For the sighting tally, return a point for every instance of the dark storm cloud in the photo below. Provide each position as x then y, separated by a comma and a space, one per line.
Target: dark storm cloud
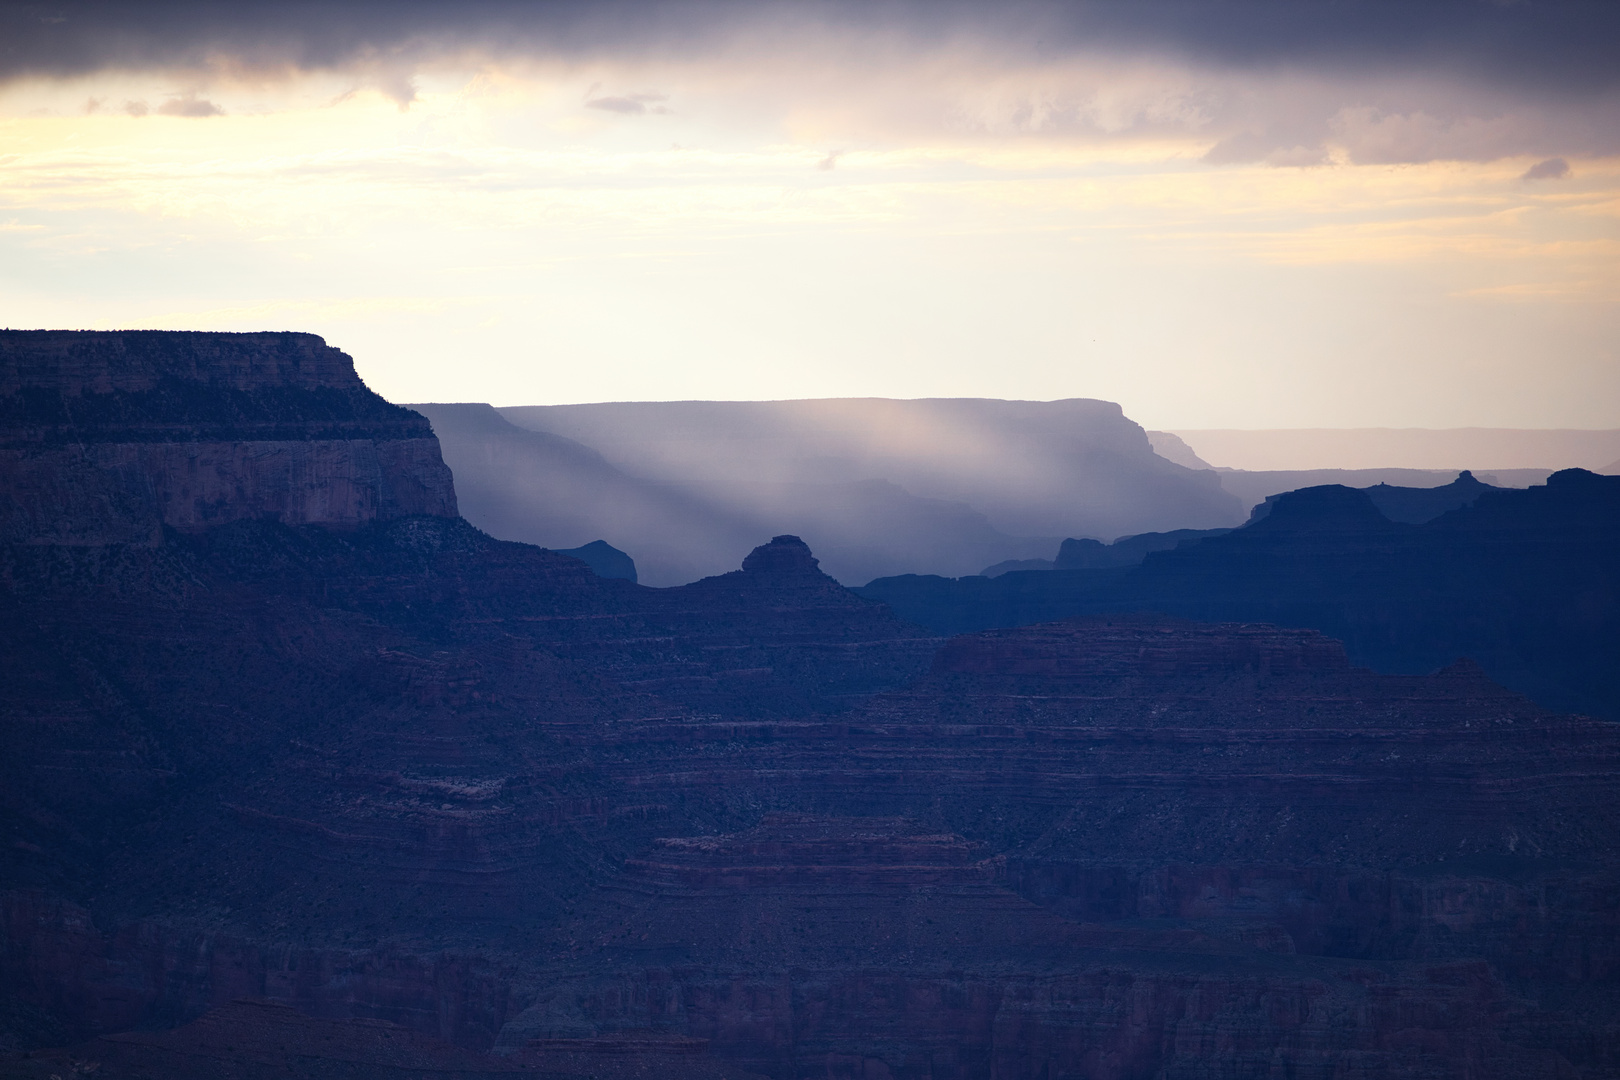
1551, 44
1556, 46
1551, 169
76, 38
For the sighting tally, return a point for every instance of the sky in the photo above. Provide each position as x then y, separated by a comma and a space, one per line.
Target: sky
1219, 213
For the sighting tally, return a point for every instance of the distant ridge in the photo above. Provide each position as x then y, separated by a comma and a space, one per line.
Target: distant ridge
875, 485
546, 489
1524, 581
1477, 448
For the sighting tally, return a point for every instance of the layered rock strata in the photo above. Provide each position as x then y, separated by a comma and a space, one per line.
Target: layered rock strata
107, 437
397, 771
1126, 847
787, 849
1188, 826
346, 768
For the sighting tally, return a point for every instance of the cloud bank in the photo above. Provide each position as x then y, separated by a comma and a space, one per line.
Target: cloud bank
1565, 46
1284, 82
1219, 212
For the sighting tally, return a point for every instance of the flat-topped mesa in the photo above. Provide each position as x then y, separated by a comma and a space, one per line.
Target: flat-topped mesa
1332, 510
107, 437
1137, 645
78, 363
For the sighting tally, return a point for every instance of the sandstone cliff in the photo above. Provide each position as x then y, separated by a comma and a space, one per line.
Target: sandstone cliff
108, 437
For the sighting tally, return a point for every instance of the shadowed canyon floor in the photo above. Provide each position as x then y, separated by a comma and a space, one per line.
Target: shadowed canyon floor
384, 797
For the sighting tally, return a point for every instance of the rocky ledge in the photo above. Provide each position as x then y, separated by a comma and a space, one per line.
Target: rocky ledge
109, 437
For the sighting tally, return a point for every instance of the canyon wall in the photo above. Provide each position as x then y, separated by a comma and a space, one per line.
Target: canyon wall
876, 486
108, 437
1123, 848
390, 769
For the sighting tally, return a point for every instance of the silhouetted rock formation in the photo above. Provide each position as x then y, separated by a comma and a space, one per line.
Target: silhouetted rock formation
1527, 582
1088, 554
1329, 509
397, 771
777, 638
1254, 488
784, 555
1126, 551
602, 557
1417, 505
109, 437
1413, 505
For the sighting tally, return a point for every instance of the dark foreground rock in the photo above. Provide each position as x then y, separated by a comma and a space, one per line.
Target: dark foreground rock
1123, 849
264, 779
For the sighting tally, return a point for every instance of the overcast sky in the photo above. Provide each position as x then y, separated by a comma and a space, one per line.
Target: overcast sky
1220, 213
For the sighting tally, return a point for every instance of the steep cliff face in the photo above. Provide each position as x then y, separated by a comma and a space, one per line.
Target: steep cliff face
541, 488
876, 486
1077, 467
402, 772
107, 437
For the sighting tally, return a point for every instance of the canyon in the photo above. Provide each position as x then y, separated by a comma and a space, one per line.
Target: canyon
877, 486
108, 438
316, 786
1525, 582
